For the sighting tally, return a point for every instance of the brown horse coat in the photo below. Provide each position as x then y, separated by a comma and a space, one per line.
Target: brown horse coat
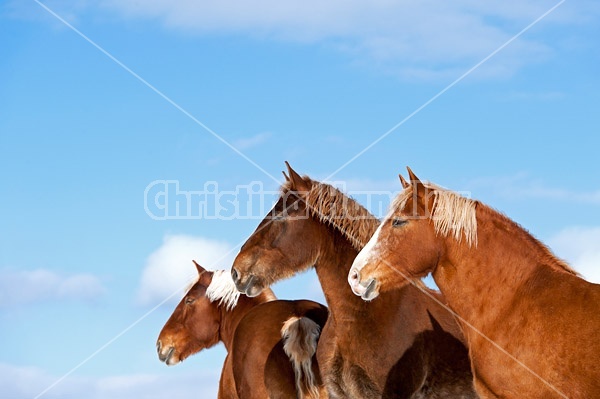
256, 365
403, 345
532, 324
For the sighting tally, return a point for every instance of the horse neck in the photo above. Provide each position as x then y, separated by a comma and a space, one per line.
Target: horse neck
481, 282
336, 255
230, 319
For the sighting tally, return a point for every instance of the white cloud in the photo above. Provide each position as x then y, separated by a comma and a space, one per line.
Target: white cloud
29, 382
18, 287
580, 246
423, 40
249, 142
169, 269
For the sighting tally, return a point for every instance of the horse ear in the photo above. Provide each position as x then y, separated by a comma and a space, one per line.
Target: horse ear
403, 182
294, 177
198, 267
204, 276
287, 178
298, 183
411, 175
418, 186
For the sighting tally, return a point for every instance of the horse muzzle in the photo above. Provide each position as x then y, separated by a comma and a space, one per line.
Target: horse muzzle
251, 286
165, 354
368, 290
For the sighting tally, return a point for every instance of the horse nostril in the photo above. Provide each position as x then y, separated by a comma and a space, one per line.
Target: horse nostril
234, 275
354, 276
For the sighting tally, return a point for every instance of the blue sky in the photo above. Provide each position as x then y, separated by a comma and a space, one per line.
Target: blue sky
82, 263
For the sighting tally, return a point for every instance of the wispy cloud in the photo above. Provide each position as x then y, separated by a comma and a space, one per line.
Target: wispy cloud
415, 40
580, 246
169, 268
28, 382
21, 287
30, 11
250, 142
523, 186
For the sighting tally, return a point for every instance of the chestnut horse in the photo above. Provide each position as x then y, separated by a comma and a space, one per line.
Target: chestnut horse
532, 324
403, 345
270, 343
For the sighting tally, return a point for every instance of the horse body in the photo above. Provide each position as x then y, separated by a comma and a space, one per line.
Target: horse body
246, 326
265, 358
525, 301
531, 323
386, 348
402, 346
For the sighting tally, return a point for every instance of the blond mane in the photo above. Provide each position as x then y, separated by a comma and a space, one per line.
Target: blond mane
454, 215
222, 289
330, 206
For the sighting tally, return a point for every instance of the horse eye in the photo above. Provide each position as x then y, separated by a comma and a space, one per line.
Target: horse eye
397, 222
189, 300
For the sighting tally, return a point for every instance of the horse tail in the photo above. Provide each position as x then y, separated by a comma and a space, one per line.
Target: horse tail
300, 336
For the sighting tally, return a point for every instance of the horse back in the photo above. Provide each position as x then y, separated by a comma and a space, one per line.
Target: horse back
261, 367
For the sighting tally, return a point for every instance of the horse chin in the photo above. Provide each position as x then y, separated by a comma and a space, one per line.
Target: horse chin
252, 287
243, 286
367, 291
253, 290
172, 361
170, 358
371, 291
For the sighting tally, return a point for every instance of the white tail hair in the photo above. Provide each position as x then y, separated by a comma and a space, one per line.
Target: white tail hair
300, 336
